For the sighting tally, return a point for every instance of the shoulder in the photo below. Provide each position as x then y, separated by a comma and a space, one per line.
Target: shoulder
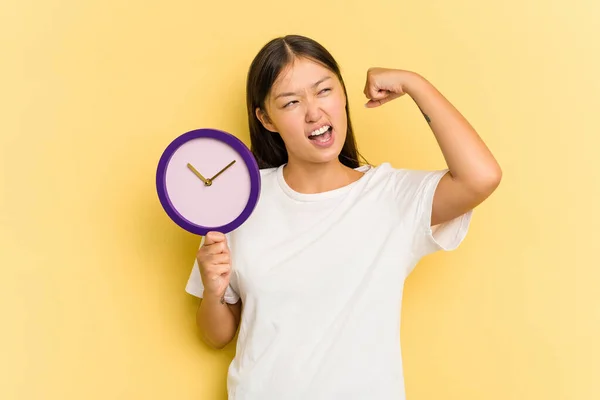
388, 170
404, 182
267, 172
268, 179
387, 173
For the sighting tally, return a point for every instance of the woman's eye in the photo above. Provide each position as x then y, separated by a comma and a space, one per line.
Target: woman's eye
323, 91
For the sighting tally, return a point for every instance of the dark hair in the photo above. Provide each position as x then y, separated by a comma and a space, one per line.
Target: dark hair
268, 147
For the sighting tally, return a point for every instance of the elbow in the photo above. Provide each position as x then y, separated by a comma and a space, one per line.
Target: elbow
218, 346
491, 177
488, 180
484, 182
215, 343
215, 339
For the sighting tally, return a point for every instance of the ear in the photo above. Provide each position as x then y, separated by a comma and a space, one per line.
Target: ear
265, 120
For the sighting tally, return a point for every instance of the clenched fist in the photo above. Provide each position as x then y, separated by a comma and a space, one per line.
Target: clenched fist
385, 84
215, 264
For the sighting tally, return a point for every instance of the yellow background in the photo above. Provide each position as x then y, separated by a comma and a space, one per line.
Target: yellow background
92, 301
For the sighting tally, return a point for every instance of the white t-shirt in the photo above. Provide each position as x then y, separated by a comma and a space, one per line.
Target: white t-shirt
321, 280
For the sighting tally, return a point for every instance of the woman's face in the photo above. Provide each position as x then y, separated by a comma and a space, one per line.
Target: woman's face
306, 106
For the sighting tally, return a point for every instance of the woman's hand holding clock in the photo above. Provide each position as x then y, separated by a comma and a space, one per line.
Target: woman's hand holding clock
215, 265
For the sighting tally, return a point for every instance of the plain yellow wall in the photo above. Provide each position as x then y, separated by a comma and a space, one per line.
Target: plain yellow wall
92, 301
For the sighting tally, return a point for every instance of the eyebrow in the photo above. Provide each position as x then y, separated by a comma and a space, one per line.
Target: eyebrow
317, 83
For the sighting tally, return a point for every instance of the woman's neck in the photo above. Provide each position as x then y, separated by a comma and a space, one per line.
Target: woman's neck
310, 178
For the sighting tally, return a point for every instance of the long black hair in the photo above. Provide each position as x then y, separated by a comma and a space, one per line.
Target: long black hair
268, 147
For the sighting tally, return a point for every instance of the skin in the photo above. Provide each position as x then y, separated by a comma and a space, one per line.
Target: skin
217, 320
474, 174
306, 96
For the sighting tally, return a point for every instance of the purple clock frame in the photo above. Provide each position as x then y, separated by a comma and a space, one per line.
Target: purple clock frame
237, 145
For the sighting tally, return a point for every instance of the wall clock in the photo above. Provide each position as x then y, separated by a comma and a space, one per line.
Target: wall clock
208, 180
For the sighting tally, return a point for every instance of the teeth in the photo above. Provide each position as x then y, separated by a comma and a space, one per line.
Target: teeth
320, 131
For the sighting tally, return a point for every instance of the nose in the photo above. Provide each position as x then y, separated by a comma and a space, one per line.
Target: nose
313, 111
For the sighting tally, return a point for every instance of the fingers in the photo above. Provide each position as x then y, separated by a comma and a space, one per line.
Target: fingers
369, 86
215, 243
207, 260
372, 91
214, 237
215, 265
217, 272
380, 88
214, 261
214, 252
217, 259
379, 100
376, 95
215, 248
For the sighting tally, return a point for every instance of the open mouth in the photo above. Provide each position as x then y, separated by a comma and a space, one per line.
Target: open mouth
322, 135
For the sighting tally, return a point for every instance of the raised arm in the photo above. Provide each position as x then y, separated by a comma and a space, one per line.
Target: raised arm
474, 173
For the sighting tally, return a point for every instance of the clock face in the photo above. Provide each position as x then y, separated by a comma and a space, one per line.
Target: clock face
208, 180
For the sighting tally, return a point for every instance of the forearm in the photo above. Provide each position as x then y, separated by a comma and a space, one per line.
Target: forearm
469, 160
216, 321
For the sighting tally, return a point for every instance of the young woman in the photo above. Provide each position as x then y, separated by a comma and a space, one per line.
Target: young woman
319, 267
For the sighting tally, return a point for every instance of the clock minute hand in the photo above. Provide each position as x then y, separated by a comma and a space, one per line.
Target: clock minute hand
221, 171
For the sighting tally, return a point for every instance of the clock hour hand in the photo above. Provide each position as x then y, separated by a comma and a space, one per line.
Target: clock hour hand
198, 174
223, 170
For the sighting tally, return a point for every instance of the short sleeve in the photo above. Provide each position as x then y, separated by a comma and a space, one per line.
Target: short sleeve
195, 286
415, 191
